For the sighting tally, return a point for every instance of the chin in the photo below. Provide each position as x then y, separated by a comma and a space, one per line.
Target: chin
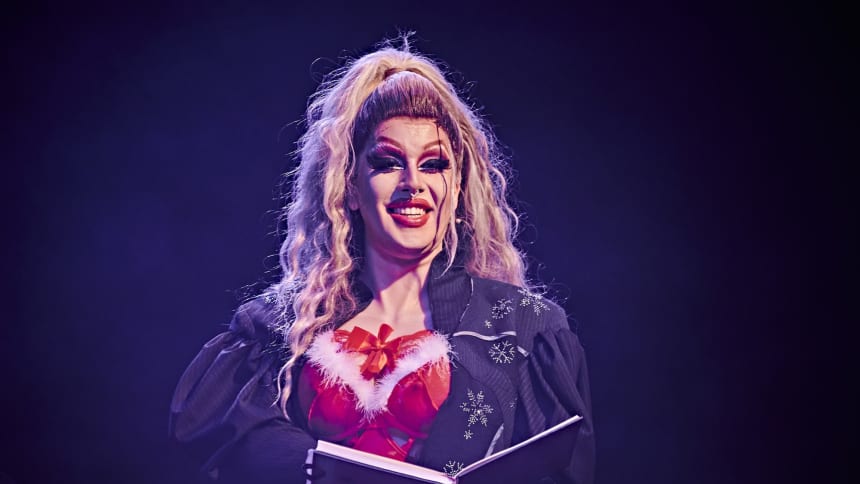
406, 250
405, 244
415, 251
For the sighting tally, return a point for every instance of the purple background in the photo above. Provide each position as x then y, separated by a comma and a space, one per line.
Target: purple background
678, 168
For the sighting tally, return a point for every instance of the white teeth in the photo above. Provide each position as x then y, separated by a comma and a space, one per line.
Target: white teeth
409, 211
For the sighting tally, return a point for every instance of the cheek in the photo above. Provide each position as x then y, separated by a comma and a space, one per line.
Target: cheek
447, 190
372, 192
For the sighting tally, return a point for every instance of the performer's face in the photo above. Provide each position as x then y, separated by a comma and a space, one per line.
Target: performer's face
404, 188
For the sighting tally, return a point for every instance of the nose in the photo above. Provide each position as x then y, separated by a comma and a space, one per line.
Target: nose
412, 181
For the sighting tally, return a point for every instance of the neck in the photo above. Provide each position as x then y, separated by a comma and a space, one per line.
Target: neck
398, 285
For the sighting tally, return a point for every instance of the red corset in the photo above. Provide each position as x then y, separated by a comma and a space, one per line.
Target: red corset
372, 394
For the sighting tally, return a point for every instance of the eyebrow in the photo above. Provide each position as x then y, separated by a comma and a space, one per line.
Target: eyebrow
386, 146
434, 144
394, 144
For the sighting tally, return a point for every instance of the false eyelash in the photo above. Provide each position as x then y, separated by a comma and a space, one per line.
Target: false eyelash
436, 164
383, 163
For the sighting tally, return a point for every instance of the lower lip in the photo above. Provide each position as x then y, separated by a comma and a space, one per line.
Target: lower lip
412, 222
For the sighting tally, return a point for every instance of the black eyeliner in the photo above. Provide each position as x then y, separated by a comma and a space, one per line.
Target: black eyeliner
437, 164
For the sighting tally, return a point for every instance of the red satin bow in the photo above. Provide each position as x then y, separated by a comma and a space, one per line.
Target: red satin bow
379, 351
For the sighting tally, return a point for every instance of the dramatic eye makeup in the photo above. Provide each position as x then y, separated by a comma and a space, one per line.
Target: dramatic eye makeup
385, 158
435, 165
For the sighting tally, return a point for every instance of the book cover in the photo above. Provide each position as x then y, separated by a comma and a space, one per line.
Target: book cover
543, 454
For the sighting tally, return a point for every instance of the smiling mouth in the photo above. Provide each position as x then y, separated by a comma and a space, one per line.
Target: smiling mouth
411, 214
408, 211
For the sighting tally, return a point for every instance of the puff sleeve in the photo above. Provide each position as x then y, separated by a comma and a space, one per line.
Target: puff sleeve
554, 386
224, 412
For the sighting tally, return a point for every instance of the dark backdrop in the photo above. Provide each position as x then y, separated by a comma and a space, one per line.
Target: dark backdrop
677, 169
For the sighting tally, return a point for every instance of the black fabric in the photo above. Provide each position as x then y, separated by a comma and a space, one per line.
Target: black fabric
517, 368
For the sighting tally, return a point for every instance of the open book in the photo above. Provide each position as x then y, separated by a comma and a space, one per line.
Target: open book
543, 454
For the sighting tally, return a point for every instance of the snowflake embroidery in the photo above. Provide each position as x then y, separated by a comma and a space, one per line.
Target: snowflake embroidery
453, 467
476, 408
502, 352
502, 308
467, 435
533, 300
488, 324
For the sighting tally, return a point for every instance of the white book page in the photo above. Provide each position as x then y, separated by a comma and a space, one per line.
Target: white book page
502, 453
373, 460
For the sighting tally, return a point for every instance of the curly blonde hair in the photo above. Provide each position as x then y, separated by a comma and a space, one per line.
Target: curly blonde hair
318, 256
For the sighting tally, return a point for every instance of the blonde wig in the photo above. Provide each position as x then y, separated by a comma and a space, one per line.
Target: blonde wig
318, 256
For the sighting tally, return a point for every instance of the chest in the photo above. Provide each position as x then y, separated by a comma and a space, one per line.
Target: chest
373, 393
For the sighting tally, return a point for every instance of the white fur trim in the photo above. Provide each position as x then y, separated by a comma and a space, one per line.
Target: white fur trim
343, 368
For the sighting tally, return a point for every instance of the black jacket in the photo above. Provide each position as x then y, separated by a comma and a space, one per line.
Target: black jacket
516, 364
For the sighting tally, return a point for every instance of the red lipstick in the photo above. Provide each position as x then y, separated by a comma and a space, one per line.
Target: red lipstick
412, 212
